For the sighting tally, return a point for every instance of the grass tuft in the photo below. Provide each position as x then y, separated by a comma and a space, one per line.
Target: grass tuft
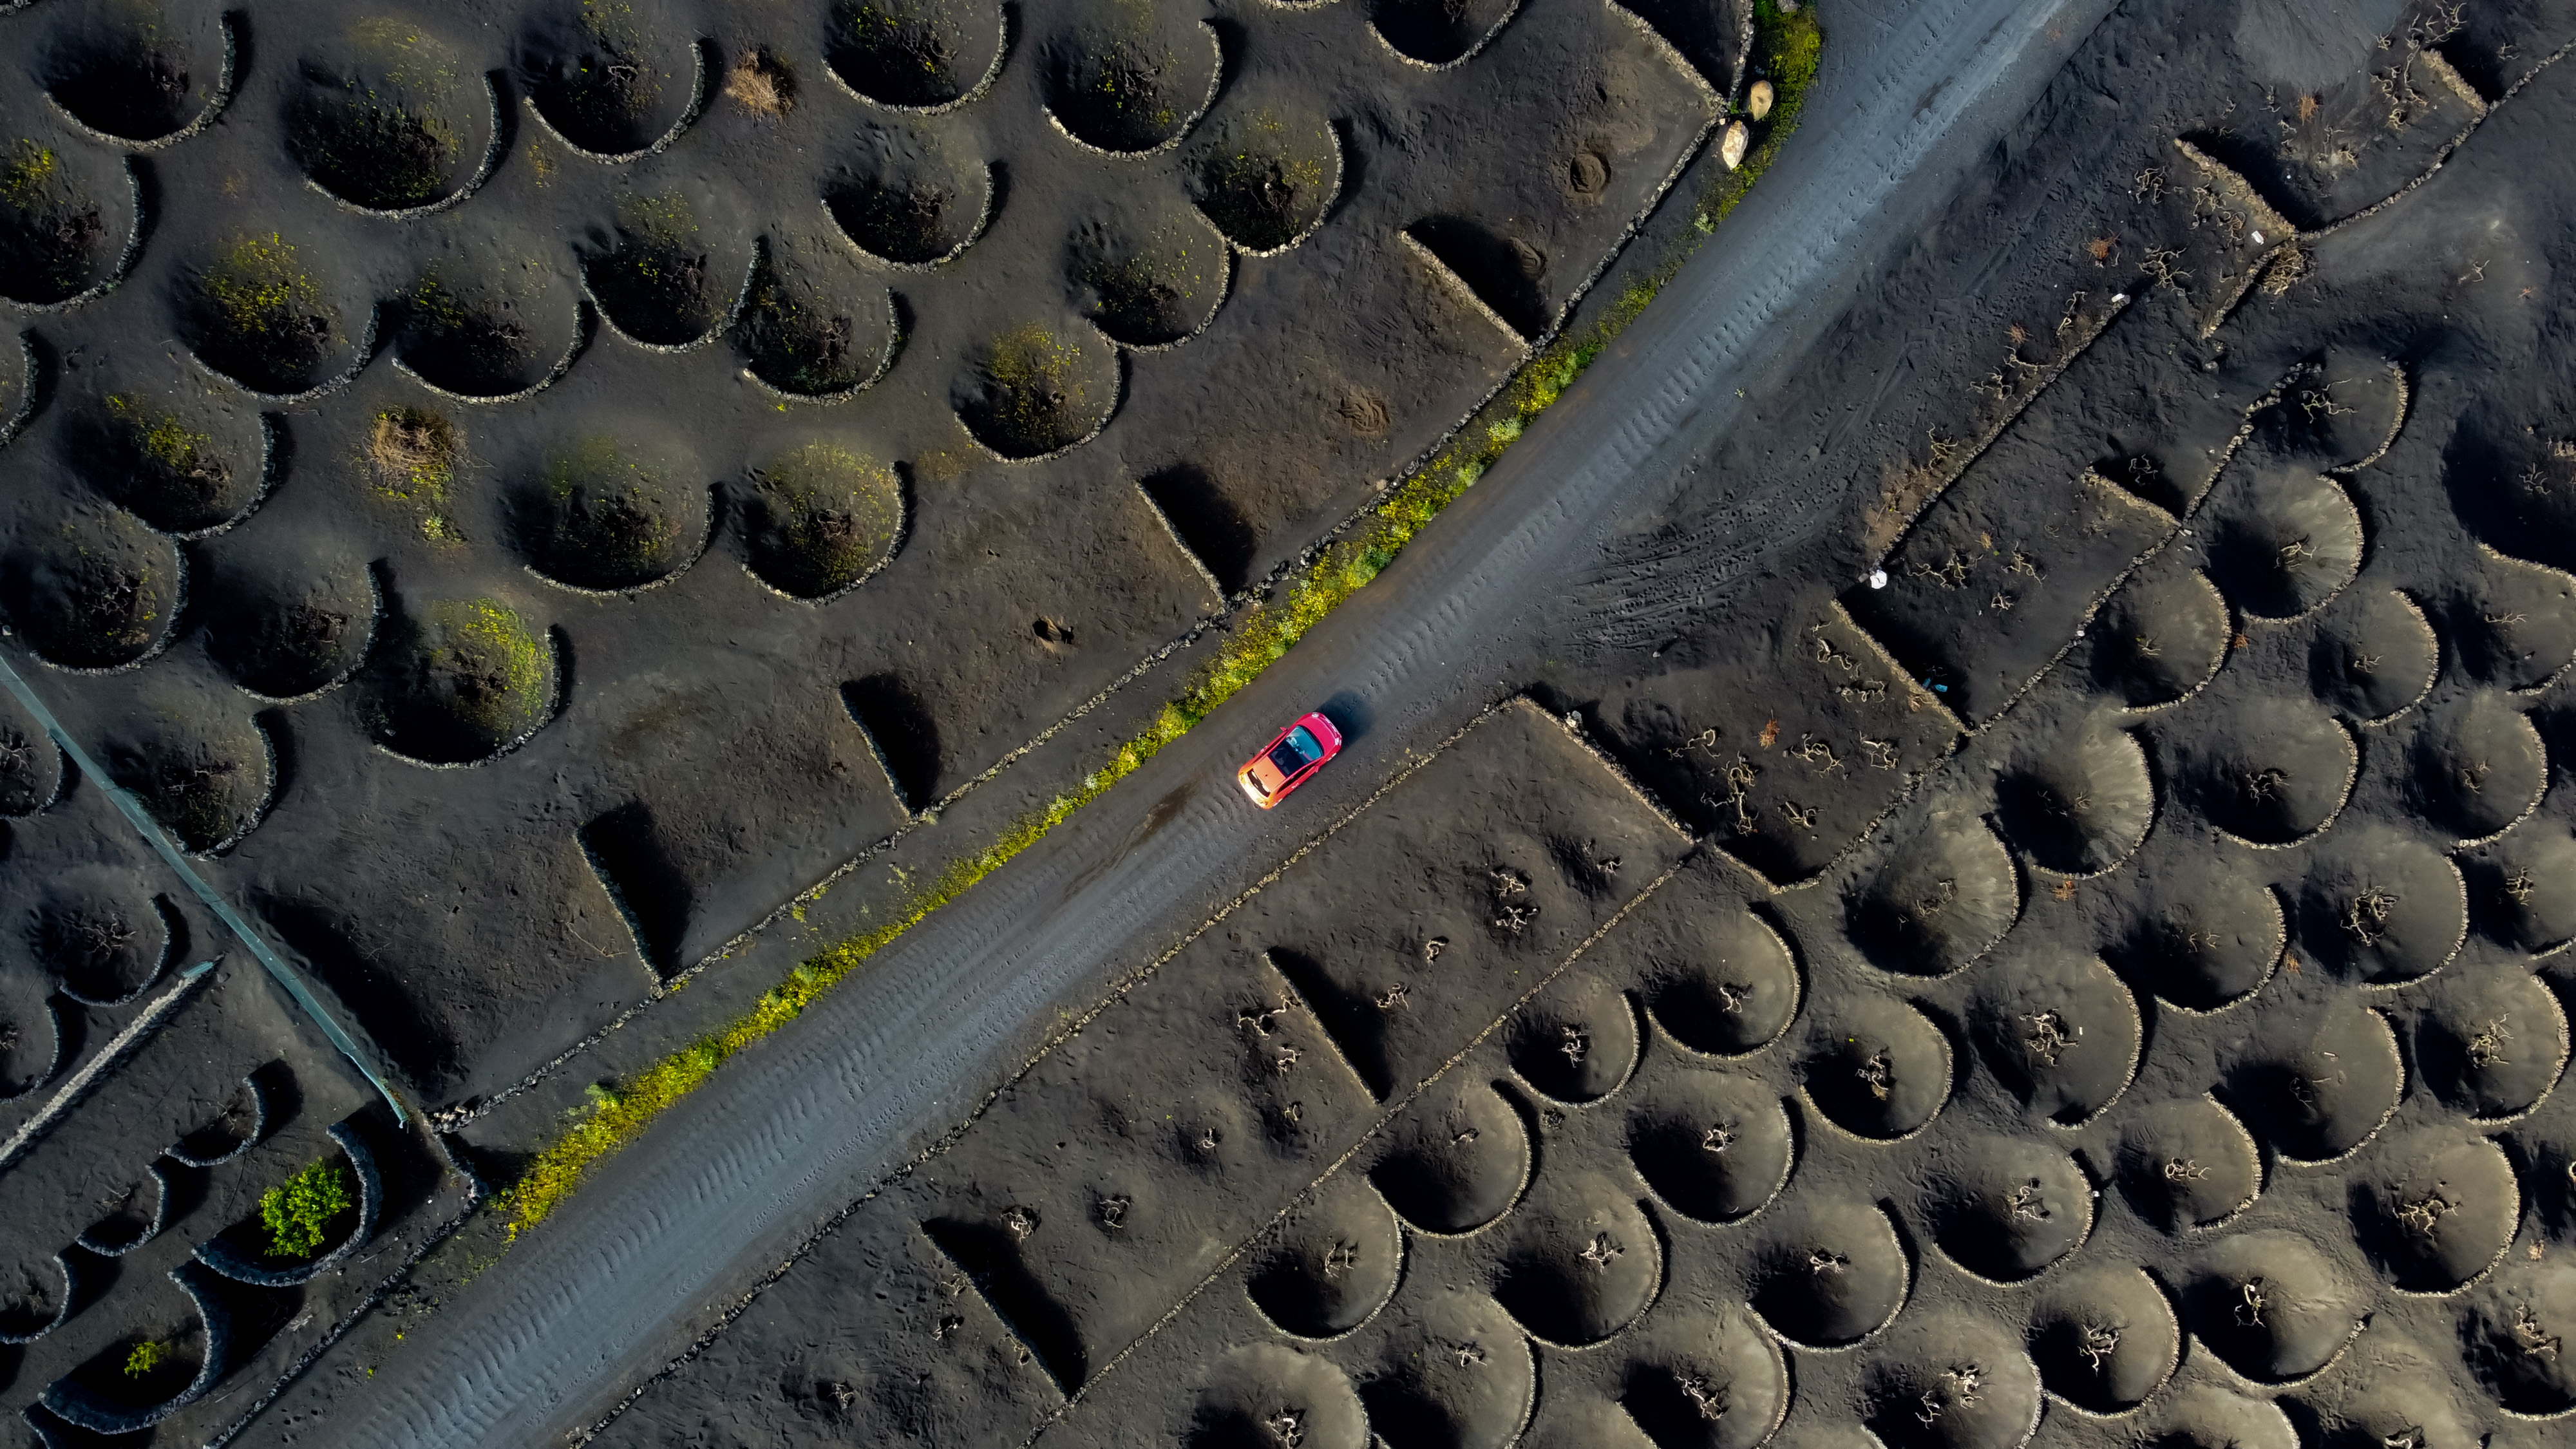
260, 289
412, 453
761, 85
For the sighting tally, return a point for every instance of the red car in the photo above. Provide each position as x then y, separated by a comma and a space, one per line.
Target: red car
1285, 762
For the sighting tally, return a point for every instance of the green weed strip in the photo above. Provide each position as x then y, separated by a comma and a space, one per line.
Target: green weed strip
1264, 622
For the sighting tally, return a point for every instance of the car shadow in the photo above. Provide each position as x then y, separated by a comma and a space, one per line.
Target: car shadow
1350, 713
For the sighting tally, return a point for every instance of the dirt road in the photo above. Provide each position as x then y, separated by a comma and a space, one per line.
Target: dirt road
794, 1130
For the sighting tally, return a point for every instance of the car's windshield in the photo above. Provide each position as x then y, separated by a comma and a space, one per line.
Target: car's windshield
1295, 752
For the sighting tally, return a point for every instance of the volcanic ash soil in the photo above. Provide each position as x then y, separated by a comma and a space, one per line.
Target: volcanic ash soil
2116, 985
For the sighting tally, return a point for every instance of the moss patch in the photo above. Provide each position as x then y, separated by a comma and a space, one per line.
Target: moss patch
1263, 190
264, 317
824, 516
1034, 399
49, 234
901, 55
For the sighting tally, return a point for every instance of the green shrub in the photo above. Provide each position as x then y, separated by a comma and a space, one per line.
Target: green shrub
300, 1210
147, 1356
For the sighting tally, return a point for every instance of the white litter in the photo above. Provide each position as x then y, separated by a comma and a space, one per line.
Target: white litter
1878, 578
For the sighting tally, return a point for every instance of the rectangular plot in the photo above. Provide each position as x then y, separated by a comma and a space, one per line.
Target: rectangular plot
1786, 746
1996, 578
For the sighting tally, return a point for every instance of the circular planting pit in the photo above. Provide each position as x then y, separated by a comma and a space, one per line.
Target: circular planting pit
2105, 1340
32, 768
2188, 1163
254, 312
1576, 1044
1701, 1384
2211, 937
1453, 1372
1457, 1162
31, 1033
283, 639
457, 682
1940, 903
331, 1207
243, 1124
1735, 994
2272, 773
140, 81
2439, 1210
1830, 1274
1331, 1265
2009, 1209
386, 119
2321, 1082
1716, 1148
2207, 1416
1126, 91
1879, 1069
1582, 1262
2339, 411
911, 208
2160, 641
1266, 1392
1149, 286
2515, 625
2480, 767
2402, 1399
186, 474
819, 520
98, 592
805, 339
2080, 805
2270, 1305
2504, 1328
95, 935
57, 239
2523, 888
143, 1375
486, 334
2062, 1033
661, 283
2284, 543
1032, 393
611, 85
133, 1218
2382, 907
601, 516
1265, 181
1438, 33
1951, 1381
2374, 656
204, 772
2493, 1048
916, 55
